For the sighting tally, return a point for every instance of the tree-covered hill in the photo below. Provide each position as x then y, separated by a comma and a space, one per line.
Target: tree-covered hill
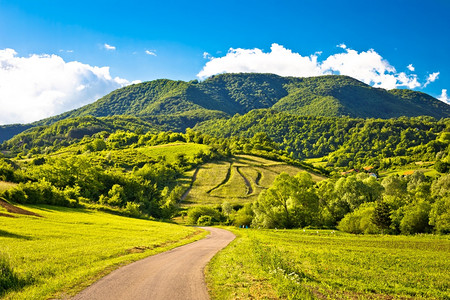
348, 142
176, 105
240, 93
71, 130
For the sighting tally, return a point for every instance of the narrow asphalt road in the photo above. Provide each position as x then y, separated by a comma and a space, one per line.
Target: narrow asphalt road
171, 275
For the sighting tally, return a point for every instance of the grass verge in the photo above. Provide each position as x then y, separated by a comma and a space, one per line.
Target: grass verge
297, 264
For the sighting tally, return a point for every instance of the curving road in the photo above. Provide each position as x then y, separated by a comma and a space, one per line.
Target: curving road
175, 274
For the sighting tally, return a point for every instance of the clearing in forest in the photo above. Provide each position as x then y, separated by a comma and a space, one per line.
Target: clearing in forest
239, 180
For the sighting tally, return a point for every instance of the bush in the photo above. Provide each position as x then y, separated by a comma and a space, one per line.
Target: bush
41, 192
133, 210
440, 215
204, 221
359, 221
196, 212
441, 167
6, 171
416, 219
244, 216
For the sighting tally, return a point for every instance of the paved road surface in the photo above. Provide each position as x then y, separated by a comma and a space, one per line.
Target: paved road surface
171, 275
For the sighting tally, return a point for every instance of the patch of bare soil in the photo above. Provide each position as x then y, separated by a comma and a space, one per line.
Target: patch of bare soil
17, 210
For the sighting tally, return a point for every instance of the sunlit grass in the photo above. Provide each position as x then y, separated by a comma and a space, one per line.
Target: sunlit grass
235, 187
67, 249
221, 181
297, 264
171, 151
4, 185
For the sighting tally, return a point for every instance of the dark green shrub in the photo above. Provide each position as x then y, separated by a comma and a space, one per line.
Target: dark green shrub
441, 166
416, 219
204, 221
196, 212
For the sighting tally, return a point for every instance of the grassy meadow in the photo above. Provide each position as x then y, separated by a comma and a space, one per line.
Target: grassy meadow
297, 264
140, 155
237, 181
63, 251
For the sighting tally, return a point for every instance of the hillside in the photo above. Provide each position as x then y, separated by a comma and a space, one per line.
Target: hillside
177, 105
346, 141
239, 180
240, 93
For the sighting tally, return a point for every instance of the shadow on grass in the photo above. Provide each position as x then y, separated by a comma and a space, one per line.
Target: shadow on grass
9, 279
52, 208
7, 234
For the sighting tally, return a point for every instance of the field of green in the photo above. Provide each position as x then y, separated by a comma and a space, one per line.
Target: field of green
63, 251
237, 181
171, 151
128, 157
131, 156
426, 167
298, 264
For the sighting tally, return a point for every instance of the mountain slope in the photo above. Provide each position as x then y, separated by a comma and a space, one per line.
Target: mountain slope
330, 95
345, 96
176, 105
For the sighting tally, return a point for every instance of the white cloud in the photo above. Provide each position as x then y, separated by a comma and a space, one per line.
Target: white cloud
109, 47
151, 52
367, 66
39, 86
444, 97
206, 55
411, 68
279, 61
431, 78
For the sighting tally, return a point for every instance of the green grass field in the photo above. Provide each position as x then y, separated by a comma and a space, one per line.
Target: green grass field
170, 151
297, 264
404, 170
60, 253
128, 157
237, 181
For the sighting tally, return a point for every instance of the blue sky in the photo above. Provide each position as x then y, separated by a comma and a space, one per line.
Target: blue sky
63, 47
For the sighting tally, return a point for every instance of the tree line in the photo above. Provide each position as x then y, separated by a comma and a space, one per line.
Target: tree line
357, 204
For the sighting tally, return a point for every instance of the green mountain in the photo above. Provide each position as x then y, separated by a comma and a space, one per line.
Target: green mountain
176, 105
240, 93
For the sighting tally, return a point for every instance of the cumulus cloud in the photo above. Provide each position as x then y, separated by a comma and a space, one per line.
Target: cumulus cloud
39, 86
367, 66
279, 61
431, 78
444, 97
109, 47
150, 52
411, 68
206, 55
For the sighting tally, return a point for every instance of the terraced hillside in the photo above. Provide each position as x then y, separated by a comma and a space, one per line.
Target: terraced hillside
237, 181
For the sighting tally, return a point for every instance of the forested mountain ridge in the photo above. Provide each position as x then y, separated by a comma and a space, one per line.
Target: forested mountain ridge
176, 105
330, 95
349, 142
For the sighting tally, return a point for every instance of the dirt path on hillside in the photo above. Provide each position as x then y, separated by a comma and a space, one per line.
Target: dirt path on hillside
175, 274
